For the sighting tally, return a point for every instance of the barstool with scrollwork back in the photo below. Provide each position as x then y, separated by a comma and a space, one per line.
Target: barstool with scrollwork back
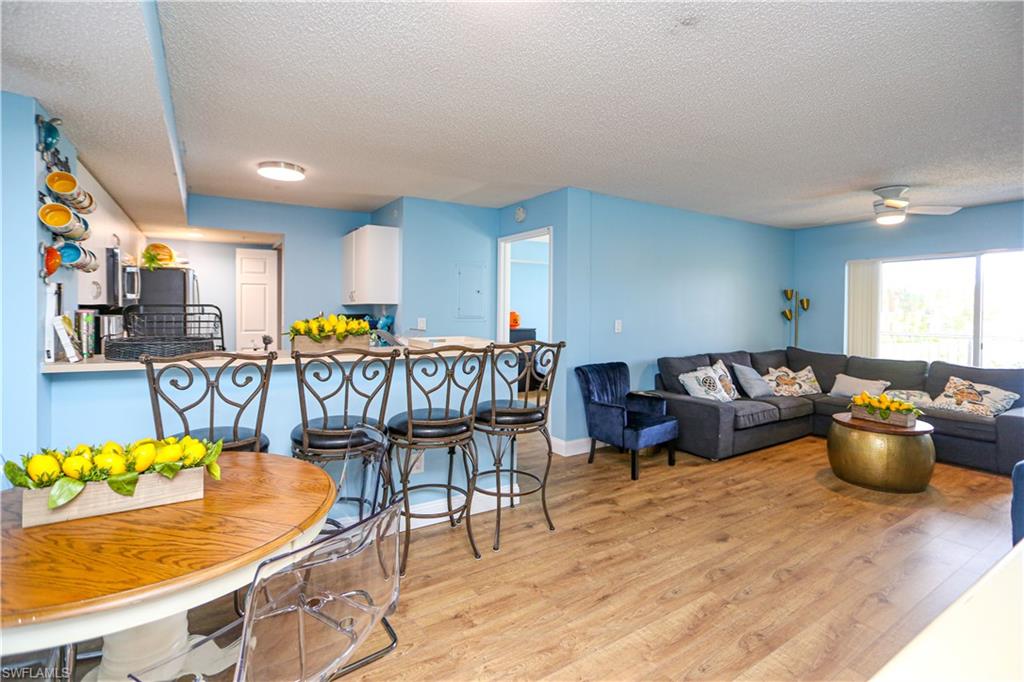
522, 381
442, 393
238, 382
339, 392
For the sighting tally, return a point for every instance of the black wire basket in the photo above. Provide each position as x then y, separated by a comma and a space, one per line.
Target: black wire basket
167, 330
127, 348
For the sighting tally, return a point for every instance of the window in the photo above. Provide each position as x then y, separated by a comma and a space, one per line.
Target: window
966, 309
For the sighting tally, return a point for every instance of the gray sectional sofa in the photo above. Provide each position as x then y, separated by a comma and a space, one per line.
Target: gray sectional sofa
717, 430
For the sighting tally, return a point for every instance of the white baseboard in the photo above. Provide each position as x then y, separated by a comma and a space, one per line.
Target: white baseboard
570, 448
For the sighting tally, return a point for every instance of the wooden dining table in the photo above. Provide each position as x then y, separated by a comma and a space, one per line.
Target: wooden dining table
131, 577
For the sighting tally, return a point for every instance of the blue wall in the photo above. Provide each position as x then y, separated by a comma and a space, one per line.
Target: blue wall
214, 264
529, 293
312, 245
821, 254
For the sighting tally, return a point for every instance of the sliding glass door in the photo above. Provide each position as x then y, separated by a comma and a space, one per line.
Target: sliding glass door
966, 310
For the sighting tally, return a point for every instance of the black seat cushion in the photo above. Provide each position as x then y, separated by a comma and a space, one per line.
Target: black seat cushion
399, 424
908, 375
227, 433
505, 416
751, 413
790, 407
825, 365
1006, 379
341, 432
768, 359
828, 405
671, 368
961, 424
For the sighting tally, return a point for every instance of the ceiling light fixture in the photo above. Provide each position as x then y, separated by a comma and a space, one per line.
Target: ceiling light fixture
888, 217
281, 170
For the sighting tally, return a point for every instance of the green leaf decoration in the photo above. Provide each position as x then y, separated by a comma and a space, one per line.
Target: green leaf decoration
124, 484
885, 414
168, 469
870, 409
214, 470
17, 476
212, 452
63, 491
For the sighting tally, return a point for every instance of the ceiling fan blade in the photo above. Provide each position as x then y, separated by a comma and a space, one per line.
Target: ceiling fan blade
934, 210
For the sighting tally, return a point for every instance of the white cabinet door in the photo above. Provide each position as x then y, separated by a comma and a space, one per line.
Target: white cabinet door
256, 287
371, 266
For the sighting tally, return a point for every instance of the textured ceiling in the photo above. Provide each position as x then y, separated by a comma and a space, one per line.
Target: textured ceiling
778, 113
89, 63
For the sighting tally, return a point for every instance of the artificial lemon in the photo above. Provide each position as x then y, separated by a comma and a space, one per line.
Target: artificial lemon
112, 448
77, 466
43, 468
141, 441
171, 452
145, 455
113, 462
82, 450
170, 440
194, 451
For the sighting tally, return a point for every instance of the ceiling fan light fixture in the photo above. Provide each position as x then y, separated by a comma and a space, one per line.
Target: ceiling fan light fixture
888, 217
896, 203
281, 170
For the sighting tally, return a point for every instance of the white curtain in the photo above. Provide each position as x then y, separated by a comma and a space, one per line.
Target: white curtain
863, 286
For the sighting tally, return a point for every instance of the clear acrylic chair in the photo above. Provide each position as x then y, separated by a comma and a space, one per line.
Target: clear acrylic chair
307, 614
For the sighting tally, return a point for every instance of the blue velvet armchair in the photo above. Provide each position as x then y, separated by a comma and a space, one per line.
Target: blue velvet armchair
1017, 503
629, 421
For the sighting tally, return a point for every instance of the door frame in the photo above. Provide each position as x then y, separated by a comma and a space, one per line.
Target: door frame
505, 273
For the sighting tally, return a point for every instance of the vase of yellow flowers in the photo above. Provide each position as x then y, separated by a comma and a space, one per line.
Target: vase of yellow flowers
882, 408
334, 332
90, 480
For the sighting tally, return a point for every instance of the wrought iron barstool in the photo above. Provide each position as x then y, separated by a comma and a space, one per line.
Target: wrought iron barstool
522, 380
185, 383
447, 380
339, 392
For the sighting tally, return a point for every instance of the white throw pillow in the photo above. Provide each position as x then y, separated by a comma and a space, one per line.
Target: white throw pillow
785, 381
725, 380
702, 383
918, 398
847, 386
966, 396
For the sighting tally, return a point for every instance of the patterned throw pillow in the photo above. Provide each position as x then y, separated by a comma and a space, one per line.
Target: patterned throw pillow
966, 396
919, 398
702, 383
725, 380
785, 381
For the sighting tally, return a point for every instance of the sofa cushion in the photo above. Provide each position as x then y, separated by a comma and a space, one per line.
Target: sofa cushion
790, 407
905, 374
826, 365
766, 360
962, 424
785, 381
726, 379
703, 383
847, 386
977, 398
753, 413
736, 357
671, 368
1006, 379
827, 404
753, 384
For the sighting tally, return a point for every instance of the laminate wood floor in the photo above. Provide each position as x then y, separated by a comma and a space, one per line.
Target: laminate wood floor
760, 567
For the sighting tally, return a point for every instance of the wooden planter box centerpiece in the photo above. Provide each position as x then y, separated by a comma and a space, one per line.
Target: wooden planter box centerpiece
884, 410
322, 334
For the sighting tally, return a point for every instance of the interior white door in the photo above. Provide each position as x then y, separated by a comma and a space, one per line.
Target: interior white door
256, 297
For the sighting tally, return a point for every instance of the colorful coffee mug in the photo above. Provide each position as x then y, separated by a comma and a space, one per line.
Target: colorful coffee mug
64, 187
62, 221
78, 257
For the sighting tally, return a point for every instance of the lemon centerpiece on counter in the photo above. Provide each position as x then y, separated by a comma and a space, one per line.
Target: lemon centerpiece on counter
333, 331
67, 472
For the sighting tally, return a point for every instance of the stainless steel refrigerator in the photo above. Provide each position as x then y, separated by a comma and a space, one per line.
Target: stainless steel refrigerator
169, 286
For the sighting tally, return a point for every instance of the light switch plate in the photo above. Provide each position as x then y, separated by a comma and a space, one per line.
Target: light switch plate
421, 324
618, 326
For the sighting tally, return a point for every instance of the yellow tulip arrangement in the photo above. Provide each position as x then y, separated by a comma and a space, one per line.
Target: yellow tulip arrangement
319, 328
883, 405
67, 471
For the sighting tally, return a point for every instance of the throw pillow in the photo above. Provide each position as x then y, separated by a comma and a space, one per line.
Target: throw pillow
919, 398
847, 386
751, 381
786, 382
980, 399
725, 380
702, 383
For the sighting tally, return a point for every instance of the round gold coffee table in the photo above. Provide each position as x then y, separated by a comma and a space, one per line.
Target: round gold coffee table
896, 459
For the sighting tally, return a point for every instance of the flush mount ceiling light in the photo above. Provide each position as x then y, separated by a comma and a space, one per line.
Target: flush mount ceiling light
281, 170
888, 217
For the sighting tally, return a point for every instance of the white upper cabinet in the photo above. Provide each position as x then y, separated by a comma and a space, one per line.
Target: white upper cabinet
370, 266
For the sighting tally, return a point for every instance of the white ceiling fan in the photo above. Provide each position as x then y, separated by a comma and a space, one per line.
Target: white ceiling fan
892, 206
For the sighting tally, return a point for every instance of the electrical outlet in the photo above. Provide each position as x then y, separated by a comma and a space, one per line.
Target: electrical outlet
418, 464
618, 326
421, 324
